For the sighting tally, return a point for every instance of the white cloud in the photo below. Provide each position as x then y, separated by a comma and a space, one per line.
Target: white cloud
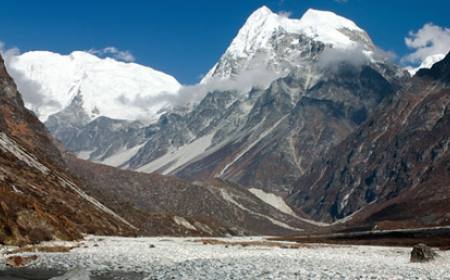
115, 53
192, 94
430, 40
331, 59
259, 77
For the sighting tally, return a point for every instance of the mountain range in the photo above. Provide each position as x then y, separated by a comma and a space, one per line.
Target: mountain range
48, 194
307, 112
306, 73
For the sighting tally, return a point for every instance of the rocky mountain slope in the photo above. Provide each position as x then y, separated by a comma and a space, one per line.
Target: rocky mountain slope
323, 77
394, 170
164, 205
39, 200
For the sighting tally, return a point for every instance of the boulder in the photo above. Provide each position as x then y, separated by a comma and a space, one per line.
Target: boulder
422, 253
20, 261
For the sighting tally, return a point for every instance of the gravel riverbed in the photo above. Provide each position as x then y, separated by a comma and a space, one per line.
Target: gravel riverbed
187, 258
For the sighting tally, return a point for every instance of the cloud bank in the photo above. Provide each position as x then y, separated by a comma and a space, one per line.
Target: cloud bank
332, 58
428, 41
192, 94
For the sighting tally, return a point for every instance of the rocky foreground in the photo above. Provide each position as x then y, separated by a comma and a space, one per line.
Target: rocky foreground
236, 258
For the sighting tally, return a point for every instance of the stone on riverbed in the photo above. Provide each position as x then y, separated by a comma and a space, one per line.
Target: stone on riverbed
422, 253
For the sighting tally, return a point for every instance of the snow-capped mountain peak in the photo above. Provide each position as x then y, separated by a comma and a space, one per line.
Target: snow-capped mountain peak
323, 25
108, 87
328, 27
314, 17
271, 39
257, 31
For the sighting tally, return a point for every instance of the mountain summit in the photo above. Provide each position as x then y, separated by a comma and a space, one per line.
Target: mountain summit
273, 40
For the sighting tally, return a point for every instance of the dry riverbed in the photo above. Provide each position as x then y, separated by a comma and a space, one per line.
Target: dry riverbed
227, 258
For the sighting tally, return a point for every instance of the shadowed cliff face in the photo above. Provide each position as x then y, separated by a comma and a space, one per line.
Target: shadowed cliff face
38, 199
397, 163
289, 127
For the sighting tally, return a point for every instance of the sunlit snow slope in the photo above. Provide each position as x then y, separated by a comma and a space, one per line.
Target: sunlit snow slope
109, 88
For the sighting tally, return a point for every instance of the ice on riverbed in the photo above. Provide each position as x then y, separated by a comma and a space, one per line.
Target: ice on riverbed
182, 258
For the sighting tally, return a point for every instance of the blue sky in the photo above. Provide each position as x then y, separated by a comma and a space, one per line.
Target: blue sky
185, 38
